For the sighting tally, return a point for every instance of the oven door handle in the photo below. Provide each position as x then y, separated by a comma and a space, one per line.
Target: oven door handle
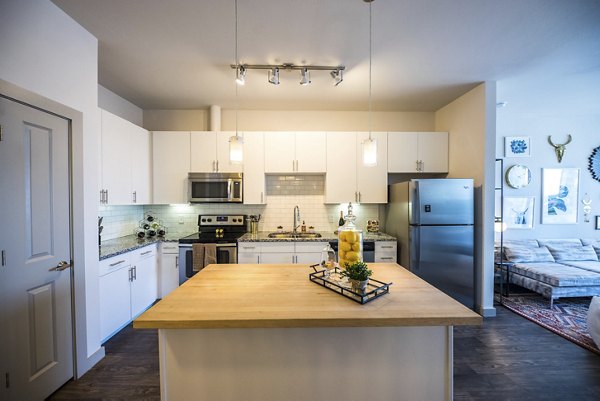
226, 245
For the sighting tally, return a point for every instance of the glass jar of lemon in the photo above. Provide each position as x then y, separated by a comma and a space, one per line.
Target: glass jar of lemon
350, 241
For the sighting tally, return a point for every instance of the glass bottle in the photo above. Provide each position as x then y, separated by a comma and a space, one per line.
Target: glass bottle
328, 260
350, 241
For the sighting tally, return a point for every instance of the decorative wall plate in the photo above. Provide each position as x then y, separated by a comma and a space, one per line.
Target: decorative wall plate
518, 176
594, 163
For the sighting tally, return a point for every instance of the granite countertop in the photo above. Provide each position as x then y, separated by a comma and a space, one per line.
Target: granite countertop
263, 236
117, 246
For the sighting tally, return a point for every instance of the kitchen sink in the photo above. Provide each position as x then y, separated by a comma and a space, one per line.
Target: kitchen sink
292, 235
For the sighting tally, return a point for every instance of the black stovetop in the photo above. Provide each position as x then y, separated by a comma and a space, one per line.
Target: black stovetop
217, 229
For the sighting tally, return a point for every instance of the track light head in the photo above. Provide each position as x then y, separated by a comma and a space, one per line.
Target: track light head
305, 77
338, 77
274, 76
240, 75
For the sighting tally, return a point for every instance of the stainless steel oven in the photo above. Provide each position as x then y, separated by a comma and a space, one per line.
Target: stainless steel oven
221, 230
215, 188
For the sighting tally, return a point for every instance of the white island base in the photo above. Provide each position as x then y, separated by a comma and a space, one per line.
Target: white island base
306, 364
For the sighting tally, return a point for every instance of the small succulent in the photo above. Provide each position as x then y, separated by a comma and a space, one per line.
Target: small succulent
357, 271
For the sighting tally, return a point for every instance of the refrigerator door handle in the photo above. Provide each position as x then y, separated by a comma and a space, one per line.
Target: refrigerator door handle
417, 242
416, 206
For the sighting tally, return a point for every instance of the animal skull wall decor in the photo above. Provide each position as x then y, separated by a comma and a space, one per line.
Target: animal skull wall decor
559, 148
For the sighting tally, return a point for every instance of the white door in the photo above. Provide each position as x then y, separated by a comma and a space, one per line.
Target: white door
36, 331
371, 181
340, 181
311, 152
433, 152
254, 169
170, 166
116, 159
402, 152
280, 152
140, 165
204, 152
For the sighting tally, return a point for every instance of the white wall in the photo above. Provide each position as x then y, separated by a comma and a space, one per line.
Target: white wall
470, 121
114, 103
557, 121
50, 56
289, 120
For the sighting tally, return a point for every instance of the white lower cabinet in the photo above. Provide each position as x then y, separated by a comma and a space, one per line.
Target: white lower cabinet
280, 252
168, 266
386, 251
128, 285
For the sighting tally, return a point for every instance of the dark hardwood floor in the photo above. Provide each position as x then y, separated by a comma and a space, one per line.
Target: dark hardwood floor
507, 358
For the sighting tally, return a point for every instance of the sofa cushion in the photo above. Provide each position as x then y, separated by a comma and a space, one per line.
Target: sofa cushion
590, 265
528, 254
560, 243
574, 252
557, 274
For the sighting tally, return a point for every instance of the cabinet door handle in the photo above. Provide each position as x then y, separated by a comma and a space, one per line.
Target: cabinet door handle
145, 253
131, 274
106, 196
101, 196
134, 273
116, 263
359, 196
176, 262
386, 247
258, 259
134, 196
261, 198
217, 166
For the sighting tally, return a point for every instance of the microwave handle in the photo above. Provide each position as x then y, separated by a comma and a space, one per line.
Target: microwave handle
229, 189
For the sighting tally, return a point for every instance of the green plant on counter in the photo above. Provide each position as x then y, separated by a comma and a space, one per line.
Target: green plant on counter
357, 271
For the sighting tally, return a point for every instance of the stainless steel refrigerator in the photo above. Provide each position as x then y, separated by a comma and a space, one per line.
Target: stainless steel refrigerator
433, 221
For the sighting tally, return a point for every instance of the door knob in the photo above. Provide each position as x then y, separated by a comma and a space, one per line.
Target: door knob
60, 267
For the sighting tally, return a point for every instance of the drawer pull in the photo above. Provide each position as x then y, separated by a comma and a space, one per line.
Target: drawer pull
145, 253
386, 247
117, 263
389, 258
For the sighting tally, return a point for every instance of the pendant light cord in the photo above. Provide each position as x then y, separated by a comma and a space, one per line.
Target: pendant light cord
237, 106
370, 62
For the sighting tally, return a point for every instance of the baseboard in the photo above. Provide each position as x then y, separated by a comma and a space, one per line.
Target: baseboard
487, 312
87, 364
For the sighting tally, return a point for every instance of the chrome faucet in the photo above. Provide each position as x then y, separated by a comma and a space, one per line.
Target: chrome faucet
296, 218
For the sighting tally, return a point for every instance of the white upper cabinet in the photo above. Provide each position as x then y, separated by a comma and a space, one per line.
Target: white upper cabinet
210, 152
348, 180
170, 167
295, 152
371, 181
340, 182
254, 168
125, 158
421, 152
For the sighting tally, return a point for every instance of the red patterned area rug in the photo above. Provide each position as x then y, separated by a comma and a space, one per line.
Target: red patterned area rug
567, 317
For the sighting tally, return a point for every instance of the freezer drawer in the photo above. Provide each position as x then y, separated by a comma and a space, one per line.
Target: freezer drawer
443, 256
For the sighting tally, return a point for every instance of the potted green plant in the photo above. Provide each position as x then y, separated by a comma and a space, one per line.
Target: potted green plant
358, 273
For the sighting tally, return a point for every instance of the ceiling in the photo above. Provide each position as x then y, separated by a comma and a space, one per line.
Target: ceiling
425, 53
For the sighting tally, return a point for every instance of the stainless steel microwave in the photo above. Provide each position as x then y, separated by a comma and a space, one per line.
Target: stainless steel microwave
215, 187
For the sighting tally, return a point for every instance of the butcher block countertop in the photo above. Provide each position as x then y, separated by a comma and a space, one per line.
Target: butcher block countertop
282, 296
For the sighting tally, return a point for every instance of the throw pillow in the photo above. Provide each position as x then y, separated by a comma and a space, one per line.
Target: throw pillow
523, 254
597, 249
574, 253
593, 320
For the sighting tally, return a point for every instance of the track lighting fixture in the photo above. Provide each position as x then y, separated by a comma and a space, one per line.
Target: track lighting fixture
305, 77
335, 71
240, 75
274, 76
338, 77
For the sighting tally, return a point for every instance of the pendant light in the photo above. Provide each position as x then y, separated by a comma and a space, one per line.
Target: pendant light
236, 143
369, 146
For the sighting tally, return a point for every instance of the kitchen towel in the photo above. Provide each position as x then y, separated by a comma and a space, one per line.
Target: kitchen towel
198, 255
210, 254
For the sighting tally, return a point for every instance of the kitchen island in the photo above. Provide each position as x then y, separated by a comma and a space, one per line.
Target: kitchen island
265, 332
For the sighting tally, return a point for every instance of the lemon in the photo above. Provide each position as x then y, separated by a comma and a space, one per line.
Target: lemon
356, 247
351, 256
345, 246
351, 237
341, 254
342, 236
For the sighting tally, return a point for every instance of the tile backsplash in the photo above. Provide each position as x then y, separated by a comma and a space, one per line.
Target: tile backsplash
182, 219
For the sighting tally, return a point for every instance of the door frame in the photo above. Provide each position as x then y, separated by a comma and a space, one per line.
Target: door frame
84, 358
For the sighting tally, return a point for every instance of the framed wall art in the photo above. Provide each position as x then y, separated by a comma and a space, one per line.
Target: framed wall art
560, 188
597, 222
517, 146
518, 212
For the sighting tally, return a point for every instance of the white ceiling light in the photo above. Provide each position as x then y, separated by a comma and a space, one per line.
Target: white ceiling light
369, 146
338, 77
240, 75
274, 75
236, 143
305, 77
